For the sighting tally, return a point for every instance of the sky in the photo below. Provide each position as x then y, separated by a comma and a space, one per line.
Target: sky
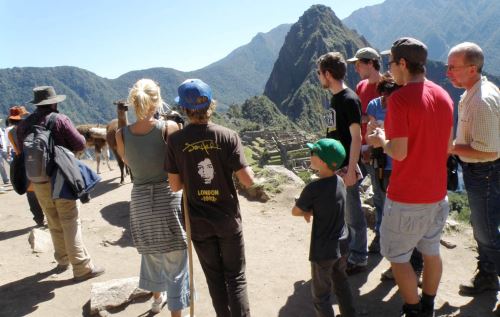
112, 37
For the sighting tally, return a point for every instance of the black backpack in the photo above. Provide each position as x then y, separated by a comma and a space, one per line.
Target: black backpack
38, 151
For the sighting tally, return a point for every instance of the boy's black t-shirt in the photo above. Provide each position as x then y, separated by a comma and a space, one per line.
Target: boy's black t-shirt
345, 110
328, 225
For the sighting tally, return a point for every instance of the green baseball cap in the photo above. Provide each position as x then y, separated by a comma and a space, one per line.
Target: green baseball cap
330, 151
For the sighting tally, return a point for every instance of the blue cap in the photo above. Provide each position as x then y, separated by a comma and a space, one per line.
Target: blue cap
194, 94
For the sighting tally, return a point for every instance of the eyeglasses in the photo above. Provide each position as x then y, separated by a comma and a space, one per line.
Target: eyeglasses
452, 68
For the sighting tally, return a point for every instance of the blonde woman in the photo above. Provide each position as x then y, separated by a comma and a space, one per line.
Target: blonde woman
156, 220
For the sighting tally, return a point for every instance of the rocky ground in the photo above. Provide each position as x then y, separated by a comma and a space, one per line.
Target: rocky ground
278, 271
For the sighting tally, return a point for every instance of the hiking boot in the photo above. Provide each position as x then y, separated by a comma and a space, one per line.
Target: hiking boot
375, 245
96, 271
387, 275
352, 268
481, 282
158, 303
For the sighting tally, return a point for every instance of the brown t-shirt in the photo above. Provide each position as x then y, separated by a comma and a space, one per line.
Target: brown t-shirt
205, 156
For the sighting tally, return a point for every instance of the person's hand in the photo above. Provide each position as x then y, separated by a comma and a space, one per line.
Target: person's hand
307, 216
350, 178
377, 138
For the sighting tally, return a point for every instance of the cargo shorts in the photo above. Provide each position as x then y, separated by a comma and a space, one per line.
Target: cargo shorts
408, 226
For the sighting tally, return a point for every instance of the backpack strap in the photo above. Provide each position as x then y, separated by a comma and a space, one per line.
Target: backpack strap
51, 121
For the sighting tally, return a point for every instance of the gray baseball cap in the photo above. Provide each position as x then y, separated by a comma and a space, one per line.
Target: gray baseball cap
365, 53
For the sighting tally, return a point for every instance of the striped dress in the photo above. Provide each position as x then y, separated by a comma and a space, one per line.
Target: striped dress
156, 220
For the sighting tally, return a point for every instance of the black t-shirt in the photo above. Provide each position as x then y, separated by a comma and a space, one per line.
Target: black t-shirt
328, 227
345, 110
205, 156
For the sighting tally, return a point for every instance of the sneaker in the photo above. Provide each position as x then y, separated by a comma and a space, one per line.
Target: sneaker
3, 190
387, 275
374, 247
481, 282
158, 303
352, 268
60, 268
96, 271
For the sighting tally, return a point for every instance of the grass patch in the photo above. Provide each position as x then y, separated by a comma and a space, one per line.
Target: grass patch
459, 207
249, 155
273, 181
305, 176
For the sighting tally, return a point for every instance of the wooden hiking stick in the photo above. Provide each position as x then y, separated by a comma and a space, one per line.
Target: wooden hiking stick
190, 252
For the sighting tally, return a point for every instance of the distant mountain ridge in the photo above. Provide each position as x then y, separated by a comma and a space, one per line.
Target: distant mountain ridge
440, 24
238, 76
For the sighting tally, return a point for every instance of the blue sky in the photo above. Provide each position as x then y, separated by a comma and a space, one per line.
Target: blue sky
112, 37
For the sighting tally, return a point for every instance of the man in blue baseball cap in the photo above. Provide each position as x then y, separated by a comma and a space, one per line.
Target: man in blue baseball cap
201, 159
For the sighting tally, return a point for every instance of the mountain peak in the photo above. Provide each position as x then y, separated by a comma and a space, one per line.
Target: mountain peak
293, 85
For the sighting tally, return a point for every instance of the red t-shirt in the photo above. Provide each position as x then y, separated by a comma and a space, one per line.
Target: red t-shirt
366, 93
422, 112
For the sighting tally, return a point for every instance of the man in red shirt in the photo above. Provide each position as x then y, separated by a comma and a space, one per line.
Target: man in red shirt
418, 130
367, 64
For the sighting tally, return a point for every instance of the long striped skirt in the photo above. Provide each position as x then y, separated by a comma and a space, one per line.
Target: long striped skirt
156, 220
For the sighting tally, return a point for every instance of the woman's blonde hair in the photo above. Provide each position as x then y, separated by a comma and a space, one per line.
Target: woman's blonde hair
146, 98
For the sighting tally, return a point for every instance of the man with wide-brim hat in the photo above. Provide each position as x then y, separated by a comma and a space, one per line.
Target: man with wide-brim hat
62, 214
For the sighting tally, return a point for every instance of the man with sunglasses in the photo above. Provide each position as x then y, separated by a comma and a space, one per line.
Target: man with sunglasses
417, 135
478, 146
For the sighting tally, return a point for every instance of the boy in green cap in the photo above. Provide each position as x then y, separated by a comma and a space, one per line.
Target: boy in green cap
329, 232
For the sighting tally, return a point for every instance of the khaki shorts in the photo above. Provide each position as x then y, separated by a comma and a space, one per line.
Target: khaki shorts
408, 226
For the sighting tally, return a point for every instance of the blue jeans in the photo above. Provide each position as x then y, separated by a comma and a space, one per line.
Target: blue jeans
356, 221
3, 172
482, 182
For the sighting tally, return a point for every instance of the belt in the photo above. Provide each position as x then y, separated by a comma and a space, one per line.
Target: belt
478, 163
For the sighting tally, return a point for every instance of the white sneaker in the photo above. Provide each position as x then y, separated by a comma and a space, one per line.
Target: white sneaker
158, 303
3, 190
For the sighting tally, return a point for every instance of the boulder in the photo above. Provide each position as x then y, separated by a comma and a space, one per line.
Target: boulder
114, 293
40, 241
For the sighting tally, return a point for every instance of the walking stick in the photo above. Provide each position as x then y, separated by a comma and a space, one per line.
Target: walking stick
190, 252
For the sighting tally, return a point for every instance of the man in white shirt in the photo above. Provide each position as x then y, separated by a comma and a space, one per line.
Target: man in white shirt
477, 145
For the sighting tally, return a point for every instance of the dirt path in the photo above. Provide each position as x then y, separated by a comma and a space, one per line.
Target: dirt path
277, 267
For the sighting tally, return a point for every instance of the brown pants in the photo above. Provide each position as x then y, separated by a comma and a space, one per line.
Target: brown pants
65, 228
